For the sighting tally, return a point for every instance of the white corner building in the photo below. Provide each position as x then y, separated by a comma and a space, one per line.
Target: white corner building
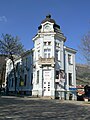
51, 65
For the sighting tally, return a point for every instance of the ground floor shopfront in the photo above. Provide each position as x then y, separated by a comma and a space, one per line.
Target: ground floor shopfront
48, 86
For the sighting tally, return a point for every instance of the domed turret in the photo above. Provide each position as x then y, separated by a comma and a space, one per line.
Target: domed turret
48, 18
56, 27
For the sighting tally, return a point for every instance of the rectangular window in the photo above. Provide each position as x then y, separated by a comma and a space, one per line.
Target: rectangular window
45, 50
38, 53
25, 81
12, 82
26, 62
57, 44
31, 78
69, 59
45, 43
17, 66
70, 78
47, 53
57, 74
21, 83
56, 55
16, 81
49, 50
38, 76
49, 43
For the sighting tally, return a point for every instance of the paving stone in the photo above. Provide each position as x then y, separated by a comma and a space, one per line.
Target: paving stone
16, 108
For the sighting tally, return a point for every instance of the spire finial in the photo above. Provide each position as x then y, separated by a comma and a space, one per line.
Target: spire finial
48, 16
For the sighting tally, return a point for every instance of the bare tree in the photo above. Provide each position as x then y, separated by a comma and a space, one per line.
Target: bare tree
85, 47
11, 46
2, 69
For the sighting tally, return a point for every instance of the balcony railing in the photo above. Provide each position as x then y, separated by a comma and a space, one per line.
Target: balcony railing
43, 61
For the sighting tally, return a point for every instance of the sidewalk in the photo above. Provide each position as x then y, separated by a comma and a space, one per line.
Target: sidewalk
53, 100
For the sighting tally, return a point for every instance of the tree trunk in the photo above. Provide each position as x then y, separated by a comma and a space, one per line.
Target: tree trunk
15, 76
1, 78
12, 59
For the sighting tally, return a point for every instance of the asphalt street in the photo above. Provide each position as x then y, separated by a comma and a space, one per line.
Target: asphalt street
18, 108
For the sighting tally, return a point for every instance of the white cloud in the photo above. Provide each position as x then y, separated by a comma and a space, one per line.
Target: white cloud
3, 19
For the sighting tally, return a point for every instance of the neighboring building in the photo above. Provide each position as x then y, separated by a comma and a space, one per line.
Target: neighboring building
10, 81
27, 73
52, 71
23, 67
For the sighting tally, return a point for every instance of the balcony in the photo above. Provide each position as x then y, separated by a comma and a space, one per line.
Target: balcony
48, 61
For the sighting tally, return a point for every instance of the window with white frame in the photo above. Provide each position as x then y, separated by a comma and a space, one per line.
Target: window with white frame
12, 83
56, 54
37, 76
47, 43
38, 53
47, 53
31, 78
69, 59
57, 44
26, 62
70, 78
25, 81
21, 82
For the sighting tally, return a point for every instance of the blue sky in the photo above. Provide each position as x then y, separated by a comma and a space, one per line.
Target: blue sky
22, 18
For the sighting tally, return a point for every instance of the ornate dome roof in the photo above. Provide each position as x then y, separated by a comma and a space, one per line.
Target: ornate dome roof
48, 18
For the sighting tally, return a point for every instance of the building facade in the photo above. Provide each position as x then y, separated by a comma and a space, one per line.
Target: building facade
52, 71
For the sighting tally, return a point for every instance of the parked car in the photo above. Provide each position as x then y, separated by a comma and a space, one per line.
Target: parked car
86, 97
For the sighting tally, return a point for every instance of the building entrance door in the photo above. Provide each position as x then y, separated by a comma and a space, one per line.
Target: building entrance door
47, 82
